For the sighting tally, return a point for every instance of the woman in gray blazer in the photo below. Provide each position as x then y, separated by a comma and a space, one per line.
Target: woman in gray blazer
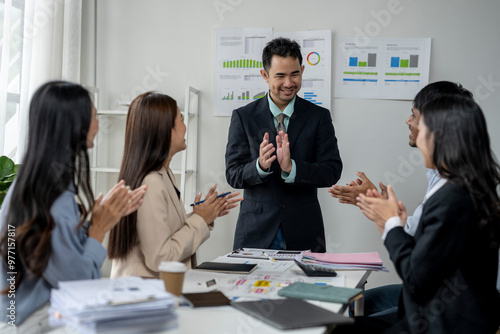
161, 230
45, 235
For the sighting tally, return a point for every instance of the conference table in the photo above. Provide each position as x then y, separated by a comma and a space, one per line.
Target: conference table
228, 320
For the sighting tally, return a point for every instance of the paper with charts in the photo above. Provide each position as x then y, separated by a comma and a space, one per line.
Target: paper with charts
316, 47
382, 68
237, 64
238, 61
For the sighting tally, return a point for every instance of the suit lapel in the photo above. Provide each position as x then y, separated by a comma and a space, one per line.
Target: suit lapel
297, 121
266, 124
265, 121
169, 181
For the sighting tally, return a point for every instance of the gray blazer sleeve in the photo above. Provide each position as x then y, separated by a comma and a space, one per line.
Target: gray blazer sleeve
74, 255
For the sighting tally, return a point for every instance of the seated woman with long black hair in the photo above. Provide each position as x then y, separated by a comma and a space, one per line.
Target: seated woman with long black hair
449, 268
45, 235
160, 230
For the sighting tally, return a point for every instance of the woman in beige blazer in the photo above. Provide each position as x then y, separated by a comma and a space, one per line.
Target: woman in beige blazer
160, 230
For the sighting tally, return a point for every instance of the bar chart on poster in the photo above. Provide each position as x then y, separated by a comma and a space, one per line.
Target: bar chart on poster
238, 60
382, 68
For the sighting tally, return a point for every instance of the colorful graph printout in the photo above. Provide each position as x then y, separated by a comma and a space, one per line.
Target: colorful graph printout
382, 68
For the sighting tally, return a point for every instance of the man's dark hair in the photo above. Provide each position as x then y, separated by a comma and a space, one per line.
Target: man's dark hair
282, 47
439, 88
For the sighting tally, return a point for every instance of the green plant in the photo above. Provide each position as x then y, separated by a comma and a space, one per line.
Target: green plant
8, 171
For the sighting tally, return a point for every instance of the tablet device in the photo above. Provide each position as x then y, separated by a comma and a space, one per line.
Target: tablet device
290, 313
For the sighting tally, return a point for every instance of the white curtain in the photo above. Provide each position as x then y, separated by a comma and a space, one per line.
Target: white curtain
51, 50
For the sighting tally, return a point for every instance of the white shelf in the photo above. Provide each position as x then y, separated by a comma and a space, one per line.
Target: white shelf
112, 112
117, 170
125, 112
188, 169
179, 171
105, 169
189, 156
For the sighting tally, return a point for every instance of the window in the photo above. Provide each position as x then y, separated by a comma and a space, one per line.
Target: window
11, 56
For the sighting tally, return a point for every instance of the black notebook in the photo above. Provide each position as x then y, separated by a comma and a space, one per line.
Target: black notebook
204, 299
290, 313
231, 268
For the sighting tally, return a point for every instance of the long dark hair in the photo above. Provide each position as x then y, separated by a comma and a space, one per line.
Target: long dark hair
148, 134
462, 154
59, 119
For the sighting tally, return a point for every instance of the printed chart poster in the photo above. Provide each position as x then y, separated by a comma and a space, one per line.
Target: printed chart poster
382, 68
237, 65
316, 46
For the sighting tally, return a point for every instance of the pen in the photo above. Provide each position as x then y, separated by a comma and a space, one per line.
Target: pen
268, 256
221, 195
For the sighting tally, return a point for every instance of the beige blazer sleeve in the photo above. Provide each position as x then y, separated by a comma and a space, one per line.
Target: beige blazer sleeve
165, 232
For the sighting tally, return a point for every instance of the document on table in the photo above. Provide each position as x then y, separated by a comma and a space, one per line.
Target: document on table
266, 286
112, 291
265, 254
259, 284
263, 265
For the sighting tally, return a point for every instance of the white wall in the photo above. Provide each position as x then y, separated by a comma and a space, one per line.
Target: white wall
175, 40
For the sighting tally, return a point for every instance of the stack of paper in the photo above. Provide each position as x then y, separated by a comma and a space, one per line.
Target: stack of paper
122, 305
344, 261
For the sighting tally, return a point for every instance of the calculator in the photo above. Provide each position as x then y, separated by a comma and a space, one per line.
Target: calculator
315, 270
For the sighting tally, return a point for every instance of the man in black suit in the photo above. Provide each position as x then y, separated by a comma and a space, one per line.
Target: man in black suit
280, 150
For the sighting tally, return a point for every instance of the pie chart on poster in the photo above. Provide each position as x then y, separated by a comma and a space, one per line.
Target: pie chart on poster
313, 58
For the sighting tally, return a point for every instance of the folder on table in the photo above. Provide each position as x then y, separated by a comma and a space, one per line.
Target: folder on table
327, 293
344, 261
